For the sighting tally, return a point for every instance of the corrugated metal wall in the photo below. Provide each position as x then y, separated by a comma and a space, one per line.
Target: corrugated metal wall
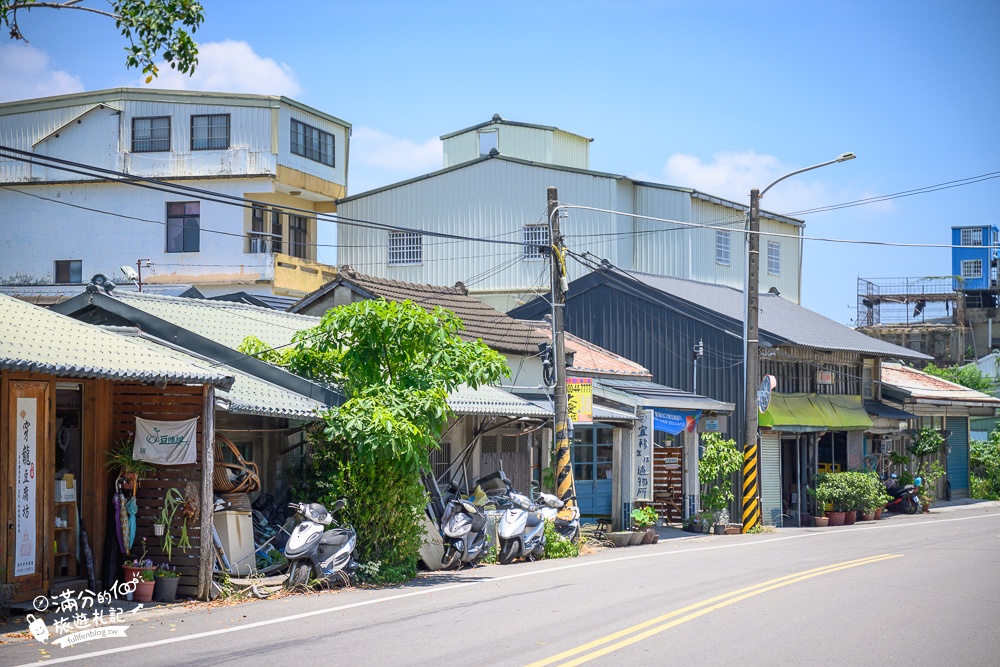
460, 148
770, 478
958, 458
337, 173
570, 150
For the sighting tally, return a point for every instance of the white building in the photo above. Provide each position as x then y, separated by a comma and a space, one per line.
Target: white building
494, 185
193, 159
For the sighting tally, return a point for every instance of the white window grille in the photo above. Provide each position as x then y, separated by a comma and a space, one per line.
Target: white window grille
972, 237
972, 268
405, 248
210, 132
535, 237
151, 134
774, 258
722, 248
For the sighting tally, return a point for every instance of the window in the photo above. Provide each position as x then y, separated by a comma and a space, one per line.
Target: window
297, 235
488, 141
971, 237
972, 268
405, 248
722, 247
275, 230
868, 380
312, 143
151, 134
183, 222
535, 238
69, 270
210, 132
774, 258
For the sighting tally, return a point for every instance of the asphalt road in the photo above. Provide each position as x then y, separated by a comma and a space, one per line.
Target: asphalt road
922, 590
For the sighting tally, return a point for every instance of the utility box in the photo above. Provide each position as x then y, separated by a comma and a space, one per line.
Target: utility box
235, 530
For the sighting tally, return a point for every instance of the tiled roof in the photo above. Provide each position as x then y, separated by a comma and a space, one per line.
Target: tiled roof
497, 330
920, 385
34, 339
224, 322
47, 295
779, 317
493, 401
590, 358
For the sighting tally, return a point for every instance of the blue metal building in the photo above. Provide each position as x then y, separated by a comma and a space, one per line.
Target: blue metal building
974, 258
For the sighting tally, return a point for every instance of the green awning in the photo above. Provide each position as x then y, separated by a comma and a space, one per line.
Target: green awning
803, 413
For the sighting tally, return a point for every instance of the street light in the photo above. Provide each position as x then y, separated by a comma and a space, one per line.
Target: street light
751, 485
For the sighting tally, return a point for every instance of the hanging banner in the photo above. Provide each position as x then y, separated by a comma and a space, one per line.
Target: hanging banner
580, 399
673, 422
642, 457
26, 484
166, 443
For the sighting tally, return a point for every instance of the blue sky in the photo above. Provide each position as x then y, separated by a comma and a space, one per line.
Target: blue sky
721, 96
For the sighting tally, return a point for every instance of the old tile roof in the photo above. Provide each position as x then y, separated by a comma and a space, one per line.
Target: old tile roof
922, 386
33, 339
589, 358
493, 401
497, 330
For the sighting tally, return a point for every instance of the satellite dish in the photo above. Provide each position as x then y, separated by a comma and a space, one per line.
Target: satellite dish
130, 274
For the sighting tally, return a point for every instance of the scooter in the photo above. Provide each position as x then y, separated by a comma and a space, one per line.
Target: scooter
565, 519
904, 498
521, 532
313, 552
464, 529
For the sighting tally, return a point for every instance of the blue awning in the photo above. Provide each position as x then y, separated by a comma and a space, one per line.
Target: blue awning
673, 422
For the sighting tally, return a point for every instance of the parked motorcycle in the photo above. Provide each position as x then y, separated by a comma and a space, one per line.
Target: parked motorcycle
521, 532
565, 519
315, 552
464, 529
904, 498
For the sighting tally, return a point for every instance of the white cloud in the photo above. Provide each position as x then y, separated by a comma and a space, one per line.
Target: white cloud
230, 66
378, 158
25, 73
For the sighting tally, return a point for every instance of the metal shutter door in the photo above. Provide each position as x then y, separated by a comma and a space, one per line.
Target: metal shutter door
770, 478
958, 459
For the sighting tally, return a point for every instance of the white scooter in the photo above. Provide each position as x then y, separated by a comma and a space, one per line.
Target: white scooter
565, 519
521, 531
313, 552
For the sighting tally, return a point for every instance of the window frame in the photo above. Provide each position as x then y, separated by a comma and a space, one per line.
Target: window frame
975, 236
189, 232
298, 236
773, 258
965, 275
534, 237
69, 265
723, 247
151, 139
405, 249
482, 134
209, 128
312, 152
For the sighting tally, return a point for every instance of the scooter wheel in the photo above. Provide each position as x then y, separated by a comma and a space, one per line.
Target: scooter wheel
910, 506
298, 576
451, 560
508, 552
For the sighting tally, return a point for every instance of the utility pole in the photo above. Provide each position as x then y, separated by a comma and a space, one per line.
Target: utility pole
564, 468
751, 483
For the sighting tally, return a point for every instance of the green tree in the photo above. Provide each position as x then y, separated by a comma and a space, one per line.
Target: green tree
720, 459
396, 364
153, 28
984, 464
968, 376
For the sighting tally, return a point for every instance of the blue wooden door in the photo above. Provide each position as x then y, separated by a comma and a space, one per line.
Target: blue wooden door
958, 457
593, 469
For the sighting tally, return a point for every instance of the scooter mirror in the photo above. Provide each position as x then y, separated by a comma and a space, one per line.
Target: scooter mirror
339, 505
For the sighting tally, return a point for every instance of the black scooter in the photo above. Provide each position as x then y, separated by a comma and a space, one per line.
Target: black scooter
463, 528
904, 498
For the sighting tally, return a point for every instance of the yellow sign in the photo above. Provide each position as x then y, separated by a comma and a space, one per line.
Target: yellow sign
580, 399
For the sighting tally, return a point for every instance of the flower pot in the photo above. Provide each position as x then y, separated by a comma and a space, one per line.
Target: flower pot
878, 513
144, 591
165, 589
656, 537
647, 538
821, 521
734, 529
836, 518
720, 529
636, 538
620, 538
868, 516
132, 572
850, 517
159, 529
926, 508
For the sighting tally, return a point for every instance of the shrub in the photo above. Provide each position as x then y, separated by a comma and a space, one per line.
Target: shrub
720, 459
984, 464
557, 546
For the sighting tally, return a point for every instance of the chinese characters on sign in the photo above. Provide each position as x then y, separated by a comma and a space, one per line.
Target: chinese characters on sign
642, 456
81, 620
166, 443
580, 400
25, 484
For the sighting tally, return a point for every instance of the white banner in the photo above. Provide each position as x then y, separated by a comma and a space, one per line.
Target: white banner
166, 443
24, 487
642, 453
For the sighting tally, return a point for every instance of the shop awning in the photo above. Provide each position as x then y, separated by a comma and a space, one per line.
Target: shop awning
805, 413
879, 409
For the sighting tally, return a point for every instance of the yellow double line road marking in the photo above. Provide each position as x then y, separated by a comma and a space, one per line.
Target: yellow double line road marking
692, 612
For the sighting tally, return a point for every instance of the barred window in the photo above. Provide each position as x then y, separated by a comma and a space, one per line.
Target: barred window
972, 237
774, 258
972, 268
312, 143
722, 248
151, 134
405, 248
210, 132
535, 237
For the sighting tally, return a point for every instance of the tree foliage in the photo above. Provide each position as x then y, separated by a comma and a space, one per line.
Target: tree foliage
968, 376
153, 28
396, 363
720, 459
984, 464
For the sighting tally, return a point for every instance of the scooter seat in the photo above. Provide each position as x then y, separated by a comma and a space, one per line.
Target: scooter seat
335, 538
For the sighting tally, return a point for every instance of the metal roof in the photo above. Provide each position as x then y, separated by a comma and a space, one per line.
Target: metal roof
494, 401
47, 295
658, 395
779, 317
877, 409
922, 387
33, 339
497, 120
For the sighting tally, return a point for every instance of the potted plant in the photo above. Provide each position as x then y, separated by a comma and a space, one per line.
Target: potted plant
720, 520
172, 501
144, 587
822, 493
134, 567
929, 472
925, 446
166, 580
119, 461
719, 460
643, 519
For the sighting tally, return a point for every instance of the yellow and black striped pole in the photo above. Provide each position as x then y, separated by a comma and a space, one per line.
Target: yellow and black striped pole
564, 467
751, 506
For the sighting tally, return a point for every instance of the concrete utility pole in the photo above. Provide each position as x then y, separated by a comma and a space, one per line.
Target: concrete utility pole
564, 468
